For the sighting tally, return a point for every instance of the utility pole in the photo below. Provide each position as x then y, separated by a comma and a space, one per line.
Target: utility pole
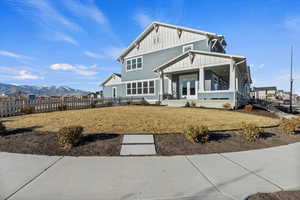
291, 82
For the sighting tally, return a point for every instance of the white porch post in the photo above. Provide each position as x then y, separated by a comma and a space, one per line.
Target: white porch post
201, 80
162, 87
232, 81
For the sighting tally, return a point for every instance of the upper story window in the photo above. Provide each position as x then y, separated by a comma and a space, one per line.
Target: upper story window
134, 64
187, 47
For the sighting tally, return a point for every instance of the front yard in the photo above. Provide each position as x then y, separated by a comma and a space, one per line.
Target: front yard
104, 128
137, 119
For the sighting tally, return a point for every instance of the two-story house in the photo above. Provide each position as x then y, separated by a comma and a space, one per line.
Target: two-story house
175, 64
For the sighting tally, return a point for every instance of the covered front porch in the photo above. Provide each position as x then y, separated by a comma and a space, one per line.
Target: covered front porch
208, 79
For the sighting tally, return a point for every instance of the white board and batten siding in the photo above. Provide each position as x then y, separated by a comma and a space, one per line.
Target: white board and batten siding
165, 37
114, 80
199, 60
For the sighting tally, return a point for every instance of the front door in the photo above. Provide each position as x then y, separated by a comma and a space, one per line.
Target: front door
188, 86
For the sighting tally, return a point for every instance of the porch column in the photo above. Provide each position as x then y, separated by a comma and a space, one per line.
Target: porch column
162, 85
232, 76
232, 82
201, 80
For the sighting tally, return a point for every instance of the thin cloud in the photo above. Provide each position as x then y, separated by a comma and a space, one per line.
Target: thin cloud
53, 23
88, 10
23, 74
292, 23
14, 55
92, 54
142, 19
79, 69
110, 52
64, 37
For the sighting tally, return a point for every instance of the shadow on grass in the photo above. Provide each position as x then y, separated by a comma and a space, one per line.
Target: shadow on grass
86, 139
20, 130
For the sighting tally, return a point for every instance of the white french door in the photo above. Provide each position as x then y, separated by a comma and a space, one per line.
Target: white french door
188, 86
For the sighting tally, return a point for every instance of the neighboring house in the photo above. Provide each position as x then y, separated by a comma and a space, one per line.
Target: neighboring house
177, 64
265, 93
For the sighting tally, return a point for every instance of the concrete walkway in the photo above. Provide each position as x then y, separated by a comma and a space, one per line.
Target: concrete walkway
224, 176
138, 145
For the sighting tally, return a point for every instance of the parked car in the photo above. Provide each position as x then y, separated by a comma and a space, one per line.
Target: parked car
286, 102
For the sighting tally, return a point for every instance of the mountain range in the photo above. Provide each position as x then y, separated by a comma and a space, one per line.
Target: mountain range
9, 89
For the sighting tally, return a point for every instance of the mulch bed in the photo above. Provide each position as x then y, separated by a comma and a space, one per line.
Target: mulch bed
282, 195
28, 141
220, 142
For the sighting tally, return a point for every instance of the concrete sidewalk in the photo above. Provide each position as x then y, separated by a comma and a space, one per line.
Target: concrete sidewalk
213, 176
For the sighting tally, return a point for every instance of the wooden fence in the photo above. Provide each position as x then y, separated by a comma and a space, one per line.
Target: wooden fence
18, 107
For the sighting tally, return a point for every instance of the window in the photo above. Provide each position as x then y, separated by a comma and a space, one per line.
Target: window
151, 87
140, 88
133, 88
128, 65
187, 48
134, 64
145, 87
128, 88
139, 63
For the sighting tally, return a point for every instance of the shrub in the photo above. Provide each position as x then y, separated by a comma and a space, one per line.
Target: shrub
251, 132
28, 109
109, 103
158, 103
196, 134
193, 104
62, 107
248, 107
227, 105
2, 128
289, 126
69, 136
187, 104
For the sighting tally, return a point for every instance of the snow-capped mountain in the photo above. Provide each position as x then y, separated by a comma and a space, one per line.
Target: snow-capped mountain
39, 90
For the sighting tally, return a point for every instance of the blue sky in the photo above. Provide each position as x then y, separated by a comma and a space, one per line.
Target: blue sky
74, 43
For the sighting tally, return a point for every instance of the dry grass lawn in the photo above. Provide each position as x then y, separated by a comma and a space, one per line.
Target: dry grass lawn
137, 119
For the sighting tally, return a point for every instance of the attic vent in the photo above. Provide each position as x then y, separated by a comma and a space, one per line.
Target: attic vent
179, 32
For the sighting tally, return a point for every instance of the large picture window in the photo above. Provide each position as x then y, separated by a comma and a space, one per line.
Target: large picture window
140, 88
134, 64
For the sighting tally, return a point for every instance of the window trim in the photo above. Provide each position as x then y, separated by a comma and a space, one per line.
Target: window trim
185, 46
142, 81
136, 64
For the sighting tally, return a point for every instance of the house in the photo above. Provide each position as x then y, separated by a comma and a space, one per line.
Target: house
175, 64
265, 93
